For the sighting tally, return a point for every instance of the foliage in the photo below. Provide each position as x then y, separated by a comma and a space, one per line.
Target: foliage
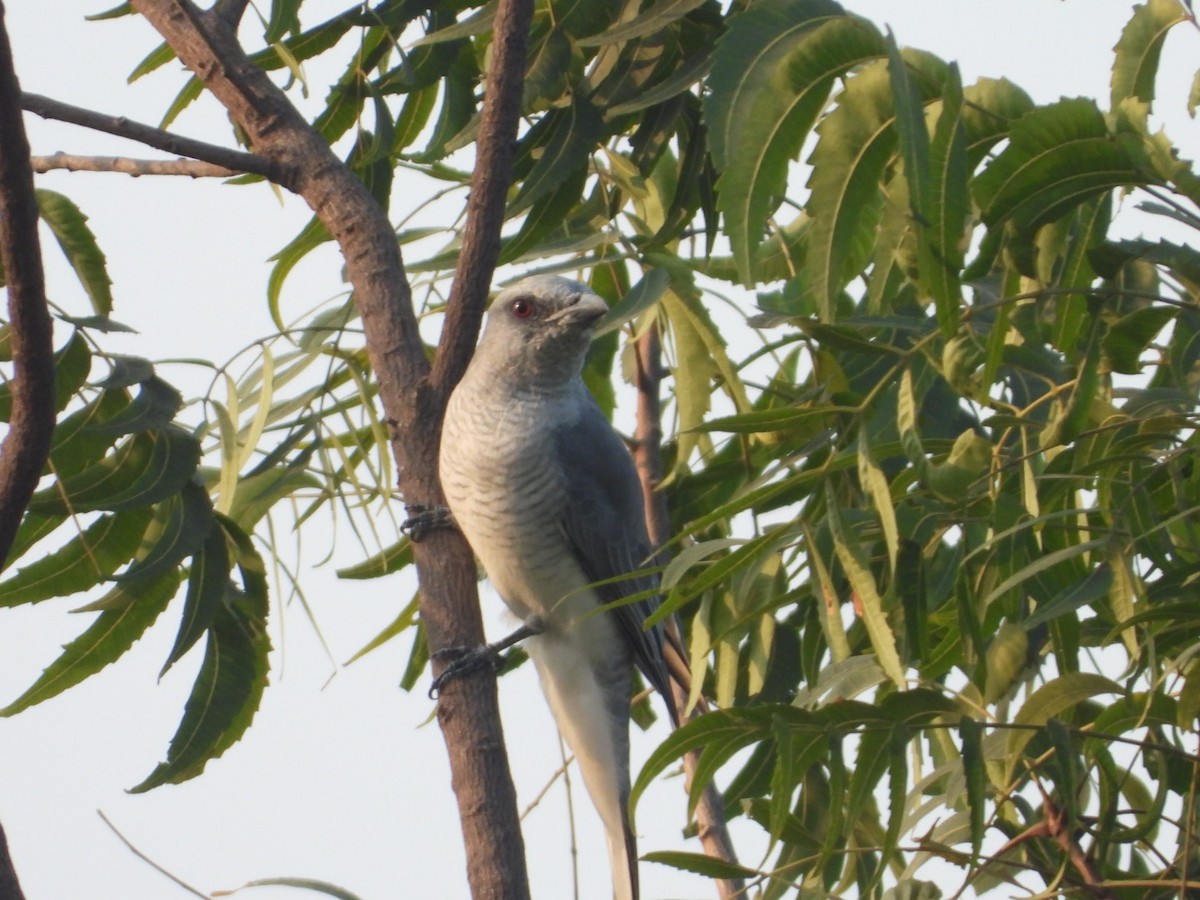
937, 535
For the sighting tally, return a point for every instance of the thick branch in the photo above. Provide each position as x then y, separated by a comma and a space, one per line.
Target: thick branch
710, 811
25, 447
10, 888
468, 711
126, 166
234, 160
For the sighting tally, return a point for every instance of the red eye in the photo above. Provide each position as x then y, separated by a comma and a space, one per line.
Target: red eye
522, 308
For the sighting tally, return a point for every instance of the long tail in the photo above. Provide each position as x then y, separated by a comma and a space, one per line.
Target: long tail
588, 693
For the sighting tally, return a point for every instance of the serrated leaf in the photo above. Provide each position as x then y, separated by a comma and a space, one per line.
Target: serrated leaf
178, 530
155, 406
700, 864
232, 676
571, 134
1128, 338
1137, 52
971, 735
1086, 591
772, 73
257, 494
208, 581
144, 469
875, 486
71, 366
855, 142
1059, 156
1052, 699
78, 243
862, 581
639, 298
83, 562
131, 609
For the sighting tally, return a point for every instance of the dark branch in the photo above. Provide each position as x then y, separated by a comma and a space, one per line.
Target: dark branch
230, 12
190, 168
10, 888
234, 160
710, 811
495, 148
25, 447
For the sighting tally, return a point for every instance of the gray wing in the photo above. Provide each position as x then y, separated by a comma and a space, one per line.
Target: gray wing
605, 524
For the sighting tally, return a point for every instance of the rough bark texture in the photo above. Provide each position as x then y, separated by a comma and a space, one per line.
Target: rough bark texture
23, 453
710, 811
468, 711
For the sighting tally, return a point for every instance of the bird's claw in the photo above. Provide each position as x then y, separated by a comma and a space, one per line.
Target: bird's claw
462, 660
424, 519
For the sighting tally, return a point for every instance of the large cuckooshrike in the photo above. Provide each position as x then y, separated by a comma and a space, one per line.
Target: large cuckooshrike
547, 495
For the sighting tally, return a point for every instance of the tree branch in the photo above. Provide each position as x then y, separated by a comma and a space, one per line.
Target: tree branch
495, 149
710, 811
468, 710
10, 888
135, 167
234, 160
31, 424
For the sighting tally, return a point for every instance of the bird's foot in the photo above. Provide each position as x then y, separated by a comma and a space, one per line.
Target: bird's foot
462, 660
424, 519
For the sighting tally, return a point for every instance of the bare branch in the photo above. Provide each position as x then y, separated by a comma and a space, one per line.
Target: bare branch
710, 811
234, 160
230, 12
124, 165
31, 424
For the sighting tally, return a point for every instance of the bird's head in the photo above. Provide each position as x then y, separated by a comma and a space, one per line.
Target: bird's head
538, 329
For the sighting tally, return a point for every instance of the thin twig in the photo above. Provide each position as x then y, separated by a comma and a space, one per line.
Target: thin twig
146, 859
127, 166
235, 160
710, 811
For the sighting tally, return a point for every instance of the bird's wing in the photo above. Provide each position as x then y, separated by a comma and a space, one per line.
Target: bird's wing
605, 525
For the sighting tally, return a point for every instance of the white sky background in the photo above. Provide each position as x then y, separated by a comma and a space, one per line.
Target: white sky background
341, 784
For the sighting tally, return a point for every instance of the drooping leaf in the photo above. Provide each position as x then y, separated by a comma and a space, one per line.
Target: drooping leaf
143, 469
78, 243
129, 611
207, 587
1137, 52
232, 676
772, 73
83, 562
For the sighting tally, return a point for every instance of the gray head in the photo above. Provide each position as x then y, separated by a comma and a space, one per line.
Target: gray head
538, 330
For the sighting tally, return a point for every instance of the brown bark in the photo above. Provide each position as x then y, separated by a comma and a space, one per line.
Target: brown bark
10, 888
710, 811
25, 447
468, 711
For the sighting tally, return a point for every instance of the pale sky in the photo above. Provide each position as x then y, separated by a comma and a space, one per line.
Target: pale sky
348, 783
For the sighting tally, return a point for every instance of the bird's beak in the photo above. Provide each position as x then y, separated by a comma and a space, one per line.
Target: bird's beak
586, 310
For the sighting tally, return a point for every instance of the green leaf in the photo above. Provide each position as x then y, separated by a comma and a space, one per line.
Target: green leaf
1059, 157
208, 583
1086, 591
565, 139
144, 469
313, 235
155, 406
130, 610
177, 531
858, 570
83, 562
1137, 52
654, 18
257, 494
1128, 338
856, 142
875, 486
70, 229
700, 864
943, 240
971, 734
772, 73
1052, 699
385, 562
232, 676
639, 298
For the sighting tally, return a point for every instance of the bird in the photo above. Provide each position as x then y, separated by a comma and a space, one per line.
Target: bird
547, 495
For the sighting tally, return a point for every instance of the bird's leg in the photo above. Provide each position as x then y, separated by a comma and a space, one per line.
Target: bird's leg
424, 519
466, 659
